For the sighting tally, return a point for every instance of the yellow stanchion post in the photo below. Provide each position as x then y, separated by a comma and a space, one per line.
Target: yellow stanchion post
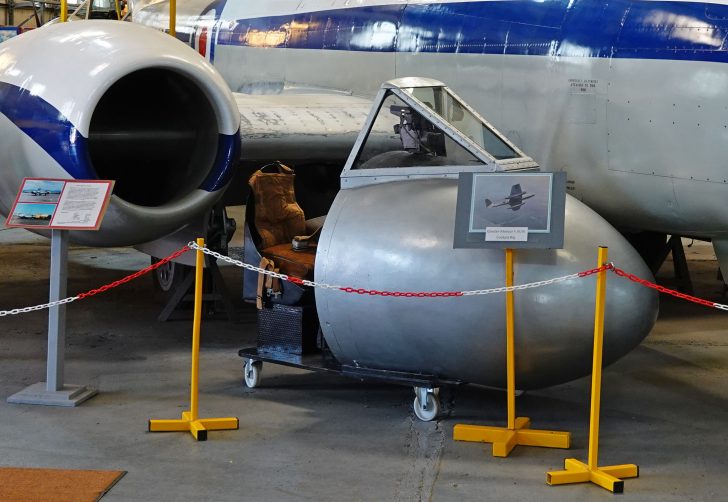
575, 471
190, 420
64, 11
173, 17
518, 431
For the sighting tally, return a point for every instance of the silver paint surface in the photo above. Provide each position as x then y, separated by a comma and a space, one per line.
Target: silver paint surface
398, 236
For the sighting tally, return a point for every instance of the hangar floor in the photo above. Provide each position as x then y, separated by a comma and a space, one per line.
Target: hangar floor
307, 436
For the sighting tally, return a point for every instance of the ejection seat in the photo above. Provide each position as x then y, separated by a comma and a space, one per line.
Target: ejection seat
278, 237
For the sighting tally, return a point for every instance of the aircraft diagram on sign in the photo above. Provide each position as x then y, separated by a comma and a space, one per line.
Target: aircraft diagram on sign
514, 201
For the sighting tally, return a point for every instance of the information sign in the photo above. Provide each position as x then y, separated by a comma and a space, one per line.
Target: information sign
510, 210
60, 204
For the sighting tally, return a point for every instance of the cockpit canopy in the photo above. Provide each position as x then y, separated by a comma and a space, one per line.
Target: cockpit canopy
421, 123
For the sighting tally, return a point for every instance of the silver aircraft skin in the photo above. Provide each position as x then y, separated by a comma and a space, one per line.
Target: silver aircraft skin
629, 97
390, 228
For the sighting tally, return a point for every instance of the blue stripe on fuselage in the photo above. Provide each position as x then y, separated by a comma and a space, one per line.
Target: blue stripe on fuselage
228, 154
48, 128
582, 28
55, 134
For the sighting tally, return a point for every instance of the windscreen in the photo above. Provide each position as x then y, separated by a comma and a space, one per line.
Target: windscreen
452, 111
402, 137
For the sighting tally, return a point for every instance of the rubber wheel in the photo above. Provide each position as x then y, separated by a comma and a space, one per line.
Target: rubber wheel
431, 409
168, 277
251, 373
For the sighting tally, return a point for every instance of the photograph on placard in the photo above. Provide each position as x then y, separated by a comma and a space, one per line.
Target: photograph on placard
32, 214
35, 191
511, 200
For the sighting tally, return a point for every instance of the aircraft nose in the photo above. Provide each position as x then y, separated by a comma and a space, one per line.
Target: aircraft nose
630, 308
398, 236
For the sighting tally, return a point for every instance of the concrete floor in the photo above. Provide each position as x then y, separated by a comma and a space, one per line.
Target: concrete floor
306, 436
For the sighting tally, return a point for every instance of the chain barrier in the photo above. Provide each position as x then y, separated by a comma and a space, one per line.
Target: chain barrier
361, 291
672, 292
135, 275
398, 294
96, 291
25, 310
444, 294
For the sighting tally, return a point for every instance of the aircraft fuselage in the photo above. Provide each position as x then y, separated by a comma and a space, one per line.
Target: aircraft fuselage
627, 97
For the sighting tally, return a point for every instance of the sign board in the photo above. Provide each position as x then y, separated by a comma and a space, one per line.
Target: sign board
8, 32
510, 210
60, 204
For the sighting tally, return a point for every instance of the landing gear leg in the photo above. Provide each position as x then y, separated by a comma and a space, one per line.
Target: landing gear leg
720, 246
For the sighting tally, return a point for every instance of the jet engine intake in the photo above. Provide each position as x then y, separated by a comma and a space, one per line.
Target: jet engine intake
90, 100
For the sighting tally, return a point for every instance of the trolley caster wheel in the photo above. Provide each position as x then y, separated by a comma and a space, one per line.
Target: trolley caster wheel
427, 404
251, 372
435, 391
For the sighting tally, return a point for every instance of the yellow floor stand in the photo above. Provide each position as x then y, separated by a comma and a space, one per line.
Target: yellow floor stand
518, 431
190, 420
575, 471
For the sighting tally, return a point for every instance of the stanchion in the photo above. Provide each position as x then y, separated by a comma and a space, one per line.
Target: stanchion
54, 391
575, 470
173, 17
190, 420
518, 431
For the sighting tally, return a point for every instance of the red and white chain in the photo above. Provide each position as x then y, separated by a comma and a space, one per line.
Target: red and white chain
404, 294
96, 291
362, 291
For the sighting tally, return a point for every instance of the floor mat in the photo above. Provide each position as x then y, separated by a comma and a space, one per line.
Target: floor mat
55, 485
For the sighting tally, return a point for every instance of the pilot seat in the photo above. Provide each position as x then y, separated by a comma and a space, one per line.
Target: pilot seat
278, 237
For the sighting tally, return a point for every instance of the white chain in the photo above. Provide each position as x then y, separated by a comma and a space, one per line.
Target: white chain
721, 306
322, 285
519, 287
25, 310
260, 270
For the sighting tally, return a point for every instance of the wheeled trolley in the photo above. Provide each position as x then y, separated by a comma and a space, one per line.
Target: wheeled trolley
426, 404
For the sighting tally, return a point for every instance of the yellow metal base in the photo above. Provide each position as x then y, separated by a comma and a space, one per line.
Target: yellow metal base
606, 477
504, 439
198, 427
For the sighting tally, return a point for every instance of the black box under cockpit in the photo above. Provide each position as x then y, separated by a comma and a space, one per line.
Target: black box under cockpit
290, 329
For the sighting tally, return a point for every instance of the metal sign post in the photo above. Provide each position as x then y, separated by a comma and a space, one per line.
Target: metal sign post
518, 430
490, 214
58, 205
53, 392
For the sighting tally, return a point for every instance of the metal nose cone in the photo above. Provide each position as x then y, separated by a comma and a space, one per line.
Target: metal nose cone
398, 236
557, 346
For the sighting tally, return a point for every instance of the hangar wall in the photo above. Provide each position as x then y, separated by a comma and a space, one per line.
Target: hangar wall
13, 13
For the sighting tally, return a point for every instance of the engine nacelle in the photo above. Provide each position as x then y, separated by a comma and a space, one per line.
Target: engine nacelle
113, 100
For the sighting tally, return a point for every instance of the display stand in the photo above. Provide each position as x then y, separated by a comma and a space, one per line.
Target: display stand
53, 392
190, 420
575, 470
518, 431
